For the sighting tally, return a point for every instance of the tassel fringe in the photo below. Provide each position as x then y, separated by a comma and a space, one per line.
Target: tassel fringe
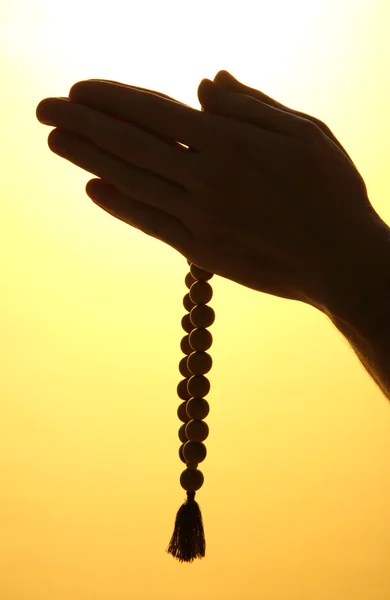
187, 541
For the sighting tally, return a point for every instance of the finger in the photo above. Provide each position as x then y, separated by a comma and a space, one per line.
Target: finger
150, 220
168, 140
156, 223
126, 141
140, 184
226, 80
245, 108
171, 119
142, 89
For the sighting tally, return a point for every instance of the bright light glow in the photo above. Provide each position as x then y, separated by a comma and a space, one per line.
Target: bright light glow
297, 487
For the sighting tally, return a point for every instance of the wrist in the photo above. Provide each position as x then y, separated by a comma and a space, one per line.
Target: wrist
360, 292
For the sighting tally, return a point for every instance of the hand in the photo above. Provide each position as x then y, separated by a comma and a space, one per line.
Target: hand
268, 201
367, 271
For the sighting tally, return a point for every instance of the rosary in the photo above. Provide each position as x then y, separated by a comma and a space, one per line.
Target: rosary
188, 542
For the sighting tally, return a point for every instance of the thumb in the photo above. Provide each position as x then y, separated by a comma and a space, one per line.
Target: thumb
210, 95
225, 79
215, 98
218, 100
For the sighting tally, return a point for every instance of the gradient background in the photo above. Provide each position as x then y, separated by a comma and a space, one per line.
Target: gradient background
296, 500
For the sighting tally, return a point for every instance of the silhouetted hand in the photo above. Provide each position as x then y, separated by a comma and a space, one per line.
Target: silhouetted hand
264, 196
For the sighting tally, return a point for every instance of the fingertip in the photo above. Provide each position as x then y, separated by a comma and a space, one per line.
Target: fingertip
208, 83
204, 90
207, 88
80, 89
223, 76
39, 111
93, 186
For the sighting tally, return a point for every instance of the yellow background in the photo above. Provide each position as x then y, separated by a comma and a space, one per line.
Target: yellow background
296, 500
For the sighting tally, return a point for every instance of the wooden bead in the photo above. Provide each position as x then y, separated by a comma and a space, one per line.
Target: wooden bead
187, 302
187, 324
194, 451
196, 431
198, 385
196, 363
185, 345
182, 390
200, 274
189, 280
191, 480
199, 363
197, 408
201, 292
181, 455
191, 465
183, 368
200, 339
202, 316
182, 413
182, 433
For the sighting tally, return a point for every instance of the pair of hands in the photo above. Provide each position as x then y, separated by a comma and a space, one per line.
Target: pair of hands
245, 188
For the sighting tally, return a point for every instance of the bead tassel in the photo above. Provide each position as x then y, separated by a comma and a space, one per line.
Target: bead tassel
188, 542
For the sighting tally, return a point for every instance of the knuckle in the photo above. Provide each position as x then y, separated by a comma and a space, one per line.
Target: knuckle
308, 125
313, 126
320, 124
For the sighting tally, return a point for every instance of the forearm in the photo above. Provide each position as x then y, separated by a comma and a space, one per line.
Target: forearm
372, 348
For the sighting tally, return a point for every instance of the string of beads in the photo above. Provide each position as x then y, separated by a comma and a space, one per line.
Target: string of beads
187, 541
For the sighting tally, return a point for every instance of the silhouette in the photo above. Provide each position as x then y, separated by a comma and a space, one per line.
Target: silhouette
245, 188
